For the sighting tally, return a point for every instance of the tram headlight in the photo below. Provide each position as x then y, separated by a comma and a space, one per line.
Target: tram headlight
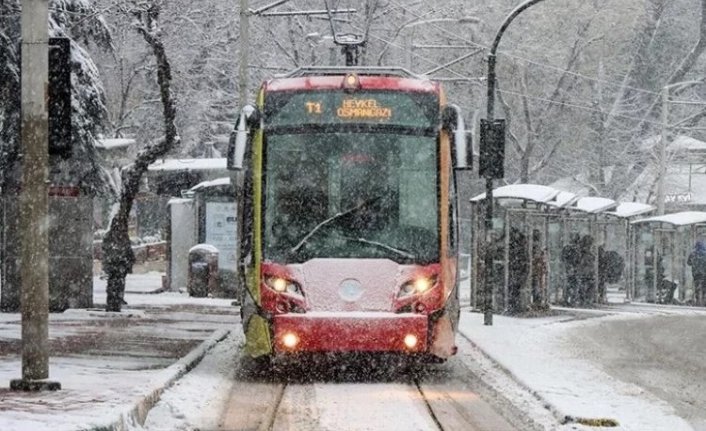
351, 82
418, 285
283, 285
290, 340
410, 340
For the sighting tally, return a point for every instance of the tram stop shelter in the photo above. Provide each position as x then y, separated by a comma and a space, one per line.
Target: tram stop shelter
519, 226
535, 226
206, 214
662, 245
604, 224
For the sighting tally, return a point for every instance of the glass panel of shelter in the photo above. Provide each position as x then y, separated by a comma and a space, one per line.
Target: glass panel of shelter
524, 244
576, 227
556, 274
612, 246
664, 276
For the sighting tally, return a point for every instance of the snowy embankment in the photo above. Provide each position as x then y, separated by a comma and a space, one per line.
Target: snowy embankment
196, 400
542, 355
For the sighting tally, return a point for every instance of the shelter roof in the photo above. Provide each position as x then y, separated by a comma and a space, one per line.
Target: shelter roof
109, 144
593, 204
218, 182
176, 201
529, 192
188, 165
631, 209
684, 218
563, 199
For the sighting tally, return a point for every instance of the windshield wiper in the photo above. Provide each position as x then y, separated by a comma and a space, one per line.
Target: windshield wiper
382, 245
331, 220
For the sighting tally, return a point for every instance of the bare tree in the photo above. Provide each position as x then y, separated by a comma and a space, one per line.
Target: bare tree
118, 255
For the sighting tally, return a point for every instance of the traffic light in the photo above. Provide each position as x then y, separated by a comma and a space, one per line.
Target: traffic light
492, 149
59, 97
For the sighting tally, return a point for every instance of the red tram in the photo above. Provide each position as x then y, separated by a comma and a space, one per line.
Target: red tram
348, 240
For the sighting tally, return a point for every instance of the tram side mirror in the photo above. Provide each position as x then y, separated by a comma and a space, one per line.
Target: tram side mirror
452, 122
248, 120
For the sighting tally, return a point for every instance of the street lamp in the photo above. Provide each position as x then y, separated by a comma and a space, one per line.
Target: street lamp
492, 155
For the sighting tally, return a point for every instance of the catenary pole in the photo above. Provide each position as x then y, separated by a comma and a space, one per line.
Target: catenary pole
663, 151
34, 201
488, 222
244, 51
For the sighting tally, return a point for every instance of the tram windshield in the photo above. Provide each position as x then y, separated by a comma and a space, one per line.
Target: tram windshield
351, 195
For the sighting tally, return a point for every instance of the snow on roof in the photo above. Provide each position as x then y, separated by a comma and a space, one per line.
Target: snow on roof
680, 143
687, 143
529, 192
684, 218
204, 247
188, 164
109, 144
225, 181
175, 201
563, 199
593, 204
631, 209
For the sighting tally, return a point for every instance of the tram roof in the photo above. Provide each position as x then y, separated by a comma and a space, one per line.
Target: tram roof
371, 78
684, 218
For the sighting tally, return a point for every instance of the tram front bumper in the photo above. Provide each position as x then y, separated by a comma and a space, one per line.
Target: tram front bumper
350, 332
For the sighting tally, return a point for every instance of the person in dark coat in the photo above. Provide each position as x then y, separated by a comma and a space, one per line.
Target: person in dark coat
539, 271
697, 262
585, 271
570, 258
518, 269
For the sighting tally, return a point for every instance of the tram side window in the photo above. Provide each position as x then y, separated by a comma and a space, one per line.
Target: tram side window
453, 216
417, 192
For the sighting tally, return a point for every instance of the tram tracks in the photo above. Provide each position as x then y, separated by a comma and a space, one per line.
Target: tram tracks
434, 400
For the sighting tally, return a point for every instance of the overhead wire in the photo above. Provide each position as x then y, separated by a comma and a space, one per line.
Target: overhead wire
586, 107
518, 57
576, 102
577, 106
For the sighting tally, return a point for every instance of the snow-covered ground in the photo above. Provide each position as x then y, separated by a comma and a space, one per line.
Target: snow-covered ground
559, 368
108, 363
577, 365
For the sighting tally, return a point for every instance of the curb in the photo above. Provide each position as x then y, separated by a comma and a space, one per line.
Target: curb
134, 416
558, 414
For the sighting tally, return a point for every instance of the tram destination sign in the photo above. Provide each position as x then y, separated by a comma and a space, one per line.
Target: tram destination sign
337, 107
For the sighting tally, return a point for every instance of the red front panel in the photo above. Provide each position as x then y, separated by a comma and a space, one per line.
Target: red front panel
361, 331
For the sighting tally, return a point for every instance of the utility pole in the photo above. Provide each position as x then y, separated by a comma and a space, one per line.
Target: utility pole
34, 199
492, 155
244, 48
663, 151
677, 86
